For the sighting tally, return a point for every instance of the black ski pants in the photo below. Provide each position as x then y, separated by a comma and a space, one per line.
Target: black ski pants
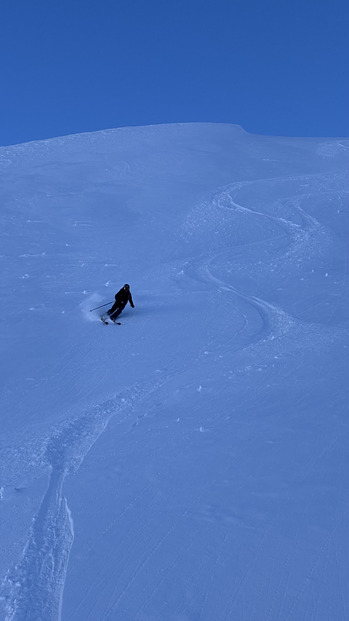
115, 311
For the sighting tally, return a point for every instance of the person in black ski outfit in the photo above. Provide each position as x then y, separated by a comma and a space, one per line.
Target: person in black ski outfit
121, 298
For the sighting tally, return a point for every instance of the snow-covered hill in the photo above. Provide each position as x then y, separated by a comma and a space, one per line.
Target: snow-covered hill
192, 463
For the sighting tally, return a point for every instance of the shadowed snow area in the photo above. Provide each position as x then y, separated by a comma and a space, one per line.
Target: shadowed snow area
191, 464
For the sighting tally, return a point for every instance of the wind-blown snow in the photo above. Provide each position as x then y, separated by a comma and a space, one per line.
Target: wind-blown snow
192, 463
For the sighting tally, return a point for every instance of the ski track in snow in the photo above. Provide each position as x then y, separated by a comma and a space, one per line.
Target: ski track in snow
304, 239
33, 589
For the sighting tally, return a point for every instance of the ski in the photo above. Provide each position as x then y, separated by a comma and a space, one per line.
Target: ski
118, 323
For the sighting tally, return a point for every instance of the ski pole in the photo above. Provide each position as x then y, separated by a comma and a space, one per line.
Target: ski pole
107, 304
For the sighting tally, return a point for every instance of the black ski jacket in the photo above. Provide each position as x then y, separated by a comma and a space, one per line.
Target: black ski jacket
122, 297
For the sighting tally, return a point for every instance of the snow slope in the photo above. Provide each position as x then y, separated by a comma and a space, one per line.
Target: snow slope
192, 463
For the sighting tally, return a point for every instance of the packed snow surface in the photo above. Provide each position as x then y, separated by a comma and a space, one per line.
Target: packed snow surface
191, 464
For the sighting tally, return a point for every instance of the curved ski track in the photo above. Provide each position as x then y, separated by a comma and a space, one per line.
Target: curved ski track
306, 237
33, 589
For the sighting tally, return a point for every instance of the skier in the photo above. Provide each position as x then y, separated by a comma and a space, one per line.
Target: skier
121, 298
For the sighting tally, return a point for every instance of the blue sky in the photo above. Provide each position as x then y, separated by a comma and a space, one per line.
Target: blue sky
274, 67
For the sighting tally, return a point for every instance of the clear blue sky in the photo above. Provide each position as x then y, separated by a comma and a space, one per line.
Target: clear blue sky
273, 66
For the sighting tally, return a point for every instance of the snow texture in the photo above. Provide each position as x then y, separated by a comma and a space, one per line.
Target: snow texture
191, 464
